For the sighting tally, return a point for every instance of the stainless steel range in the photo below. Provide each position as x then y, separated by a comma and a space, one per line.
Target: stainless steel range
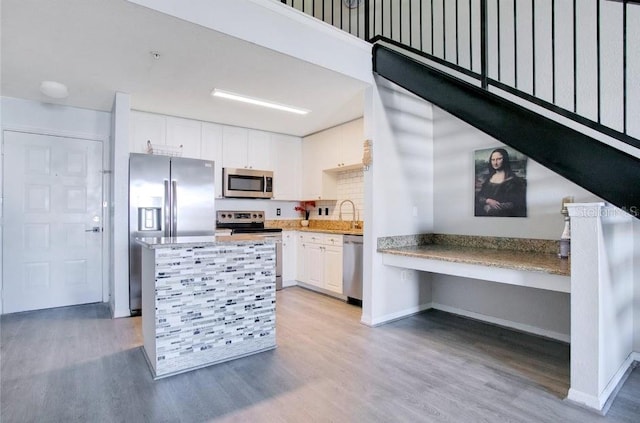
252, 222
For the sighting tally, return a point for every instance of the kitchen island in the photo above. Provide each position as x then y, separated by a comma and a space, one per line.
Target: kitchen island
205, 300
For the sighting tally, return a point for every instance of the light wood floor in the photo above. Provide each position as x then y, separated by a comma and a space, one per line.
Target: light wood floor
75, 364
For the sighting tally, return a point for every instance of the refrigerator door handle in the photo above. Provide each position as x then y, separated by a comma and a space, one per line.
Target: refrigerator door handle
174, 210
167, 209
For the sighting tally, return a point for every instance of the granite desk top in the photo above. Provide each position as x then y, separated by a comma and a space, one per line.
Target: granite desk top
451, 250
199, 241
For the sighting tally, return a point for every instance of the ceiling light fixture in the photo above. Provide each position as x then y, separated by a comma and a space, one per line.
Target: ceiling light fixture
54, 89
258, 102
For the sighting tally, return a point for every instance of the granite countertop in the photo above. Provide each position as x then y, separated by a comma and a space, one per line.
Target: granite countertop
319, 226
459, 249
331, 231
198, 241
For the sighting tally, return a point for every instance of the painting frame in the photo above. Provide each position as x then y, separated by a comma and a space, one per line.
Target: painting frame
500, 182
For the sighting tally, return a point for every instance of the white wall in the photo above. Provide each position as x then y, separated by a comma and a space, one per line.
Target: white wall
533, 310
454, 144
350, 186
398, 193
19, 114
268, 206
543, 312
616, 292
298, 34
44, 118
636, 280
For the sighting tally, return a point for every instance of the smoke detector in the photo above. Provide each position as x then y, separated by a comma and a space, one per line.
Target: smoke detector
54, 89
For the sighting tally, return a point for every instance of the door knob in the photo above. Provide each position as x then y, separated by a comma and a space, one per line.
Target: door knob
94, 229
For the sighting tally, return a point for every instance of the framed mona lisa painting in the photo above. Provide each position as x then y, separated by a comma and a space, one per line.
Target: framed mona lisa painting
500, 182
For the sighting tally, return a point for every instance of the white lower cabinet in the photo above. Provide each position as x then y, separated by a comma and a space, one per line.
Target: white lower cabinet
289, 258
333, 269
320, 260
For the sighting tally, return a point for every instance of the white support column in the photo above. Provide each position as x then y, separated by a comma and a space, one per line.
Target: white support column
601, 301
119, 206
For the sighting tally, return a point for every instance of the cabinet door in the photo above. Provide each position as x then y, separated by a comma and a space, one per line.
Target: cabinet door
288, 257
301, 274
312, 151
333, 269
287, 167
211, 146
352, 143
185, 133
259, 150
313, 262
234, 146
146, 127
331, 141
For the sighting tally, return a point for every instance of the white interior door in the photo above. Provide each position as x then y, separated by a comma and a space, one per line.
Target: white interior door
52, 202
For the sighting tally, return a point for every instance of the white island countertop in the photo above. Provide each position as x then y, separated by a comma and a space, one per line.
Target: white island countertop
196, 241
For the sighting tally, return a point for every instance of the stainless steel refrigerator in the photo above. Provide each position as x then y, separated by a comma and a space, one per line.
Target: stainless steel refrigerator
168, 197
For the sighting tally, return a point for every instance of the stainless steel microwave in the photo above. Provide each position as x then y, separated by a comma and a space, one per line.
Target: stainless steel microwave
247, 183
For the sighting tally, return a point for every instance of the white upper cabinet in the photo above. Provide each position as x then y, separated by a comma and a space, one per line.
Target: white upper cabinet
331, 141
287, 160
234, 146
259, 150
144, 128
347, 143
352, 143
341, 146
327, 152
228, 146
313, 150
184, 135
211, 149
167, 135
246, 148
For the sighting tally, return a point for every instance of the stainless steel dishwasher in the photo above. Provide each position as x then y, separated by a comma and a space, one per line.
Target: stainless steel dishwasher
352, 268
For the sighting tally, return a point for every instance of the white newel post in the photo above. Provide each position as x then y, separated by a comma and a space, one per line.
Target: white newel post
601, 301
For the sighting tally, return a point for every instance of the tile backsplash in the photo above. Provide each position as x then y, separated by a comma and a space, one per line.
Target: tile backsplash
350, 187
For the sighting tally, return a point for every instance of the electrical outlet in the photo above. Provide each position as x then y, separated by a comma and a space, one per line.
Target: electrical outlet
278, 212
326, 211
406, 275
320, 211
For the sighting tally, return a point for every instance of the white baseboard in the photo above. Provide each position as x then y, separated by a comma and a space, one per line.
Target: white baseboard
506, 323
119, 312
584, 400
387, 318
602, 401
287, 284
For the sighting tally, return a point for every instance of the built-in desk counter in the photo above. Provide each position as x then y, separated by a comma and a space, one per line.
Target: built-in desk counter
206, 300
524, 262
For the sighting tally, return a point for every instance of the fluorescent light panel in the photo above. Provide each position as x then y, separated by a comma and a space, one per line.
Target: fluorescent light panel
258, 102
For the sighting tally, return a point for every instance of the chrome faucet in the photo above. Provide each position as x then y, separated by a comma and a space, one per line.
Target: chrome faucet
353, 207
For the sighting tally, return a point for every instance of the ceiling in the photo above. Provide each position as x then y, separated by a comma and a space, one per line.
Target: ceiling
100, 47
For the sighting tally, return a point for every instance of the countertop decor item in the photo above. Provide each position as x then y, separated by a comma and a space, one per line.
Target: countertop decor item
565, 238
305, 207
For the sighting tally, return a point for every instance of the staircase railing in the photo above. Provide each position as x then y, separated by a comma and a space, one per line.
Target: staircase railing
579, 59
